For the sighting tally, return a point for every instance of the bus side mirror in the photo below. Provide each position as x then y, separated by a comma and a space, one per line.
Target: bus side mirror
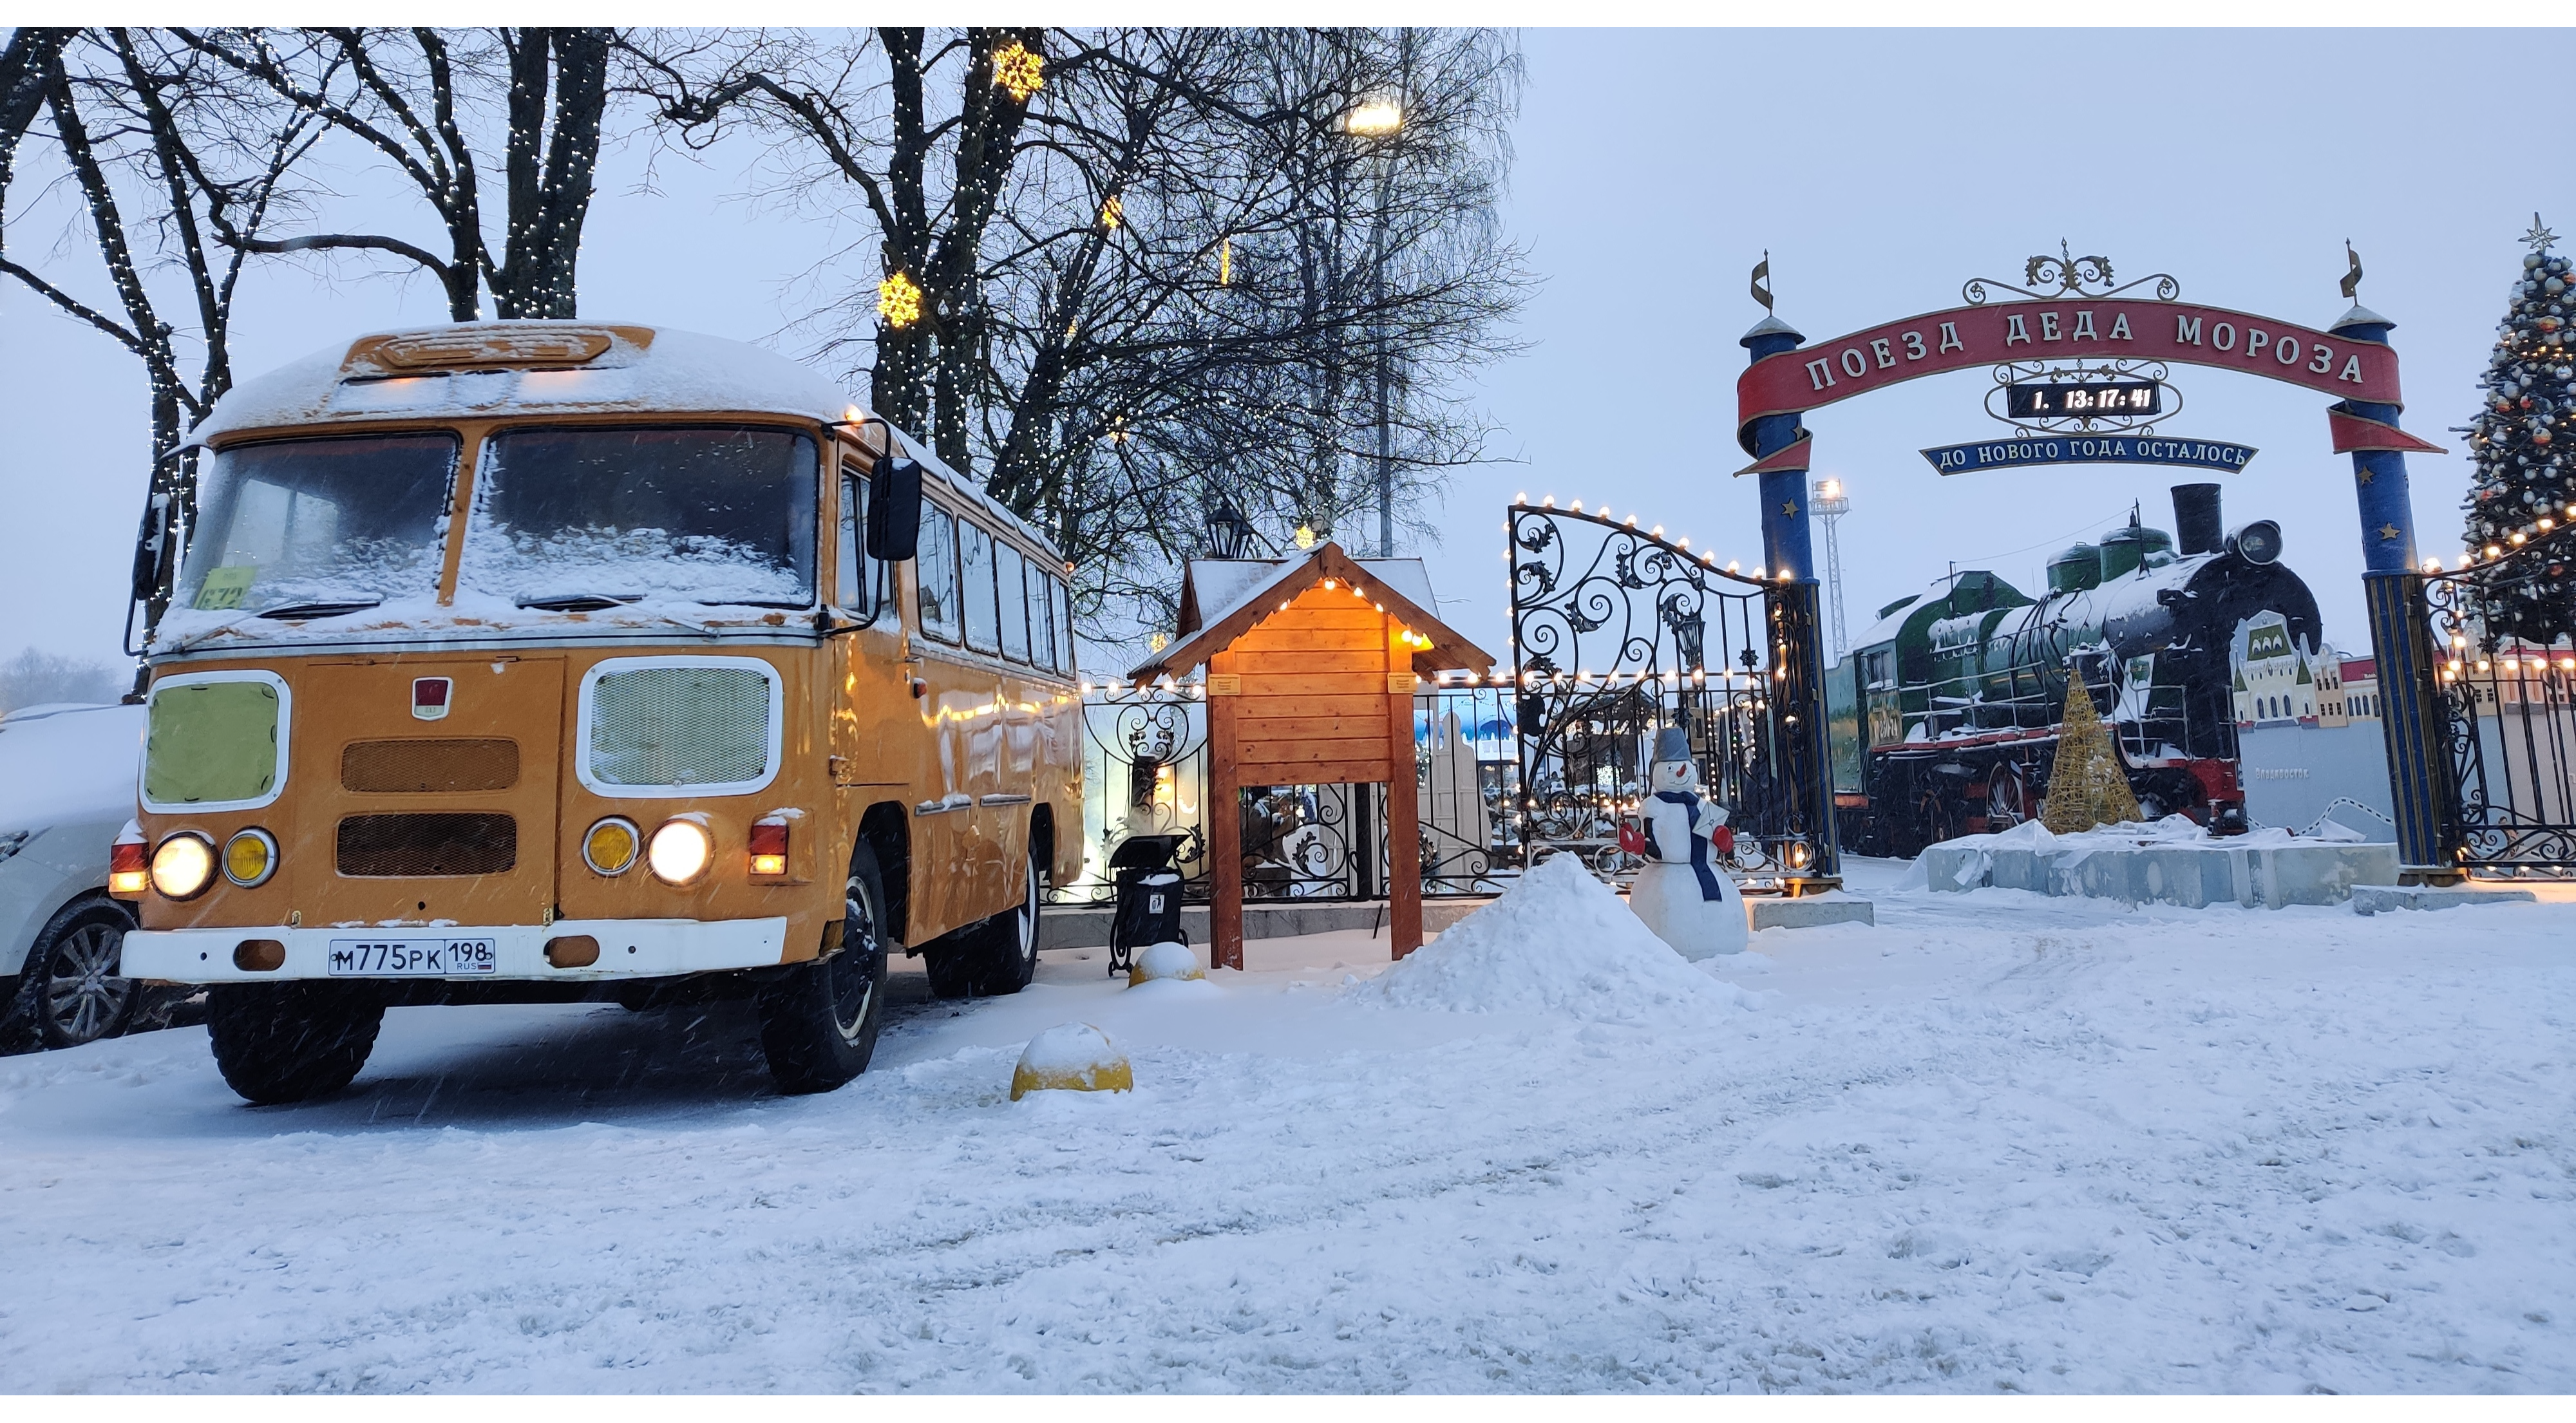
894, 516
147, 553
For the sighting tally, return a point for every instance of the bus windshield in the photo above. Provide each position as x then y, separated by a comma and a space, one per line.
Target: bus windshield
580, 519
311, 527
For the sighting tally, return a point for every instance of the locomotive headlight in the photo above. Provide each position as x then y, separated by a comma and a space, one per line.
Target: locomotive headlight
183, 866
2257, 542
680, 851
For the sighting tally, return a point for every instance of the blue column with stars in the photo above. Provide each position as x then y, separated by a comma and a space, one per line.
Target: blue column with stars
1812, 849
2422, 793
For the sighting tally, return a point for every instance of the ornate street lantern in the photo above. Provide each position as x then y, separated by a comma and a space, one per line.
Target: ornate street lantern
1228, 532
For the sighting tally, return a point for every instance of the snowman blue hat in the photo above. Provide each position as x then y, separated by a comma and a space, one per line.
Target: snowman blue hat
1672, 744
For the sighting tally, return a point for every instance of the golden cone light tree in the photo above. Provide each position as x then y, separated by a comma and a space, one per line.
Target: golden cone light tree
2087, 787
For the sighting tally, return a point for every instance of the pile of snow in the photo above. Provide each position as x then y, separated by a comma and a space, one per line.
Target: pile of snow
1557, 942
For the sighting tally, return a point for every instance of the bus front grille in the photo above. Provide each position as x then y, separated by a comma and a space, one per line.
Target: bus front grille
411, 846
418, 765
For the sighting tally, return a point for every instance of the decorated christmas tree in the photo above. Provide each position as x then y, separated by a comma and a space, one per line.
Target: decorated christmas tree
2524, 446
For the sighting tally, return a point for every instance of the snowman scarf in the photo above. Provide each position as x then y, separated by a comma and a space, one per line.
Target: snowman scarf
1700, 867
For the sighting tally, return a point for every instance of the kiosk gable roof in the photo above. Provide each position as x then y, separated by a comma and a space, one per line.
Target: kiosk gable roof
1222, 599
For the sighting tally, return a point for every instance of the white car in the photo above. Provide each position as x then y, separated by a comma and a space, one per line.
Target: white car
67, 777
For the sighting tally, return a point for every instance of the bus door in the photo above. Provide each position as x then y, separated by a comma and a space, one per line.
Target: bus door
869, 700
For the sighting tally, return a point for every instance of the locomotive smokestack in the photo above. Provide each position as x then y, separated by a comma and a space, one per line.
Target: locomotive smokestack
2197, 525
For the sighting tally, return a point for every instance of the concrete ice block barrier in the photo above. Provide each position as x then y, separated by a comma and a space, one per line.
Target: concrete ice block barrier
2371, 899
1165, 960
1071, 1057
1811, 911
2192, 875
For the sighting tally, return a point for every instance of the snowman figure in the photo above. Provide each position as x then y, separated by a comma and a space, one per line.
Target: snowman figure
1684, 896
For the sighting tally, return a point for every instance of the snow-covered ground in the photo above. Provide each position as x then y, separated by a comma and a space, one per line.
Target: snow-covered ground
1997, 1142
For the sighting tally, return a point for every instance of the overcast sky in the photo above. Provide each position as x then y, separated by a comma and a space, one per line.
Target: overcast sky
1880, 169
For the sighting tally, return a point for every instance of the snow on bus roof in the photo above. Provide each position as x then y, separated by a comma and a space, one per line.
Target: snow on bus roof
486, 368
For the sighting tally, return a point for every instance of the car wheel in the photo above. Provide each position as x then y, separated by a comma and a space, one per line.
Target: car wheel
69, 991
290, 1042
819, 1023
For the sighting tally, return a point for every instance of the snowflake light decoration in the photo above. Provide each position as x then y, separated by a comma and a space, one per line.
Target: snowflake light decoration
899, 300
1019, 70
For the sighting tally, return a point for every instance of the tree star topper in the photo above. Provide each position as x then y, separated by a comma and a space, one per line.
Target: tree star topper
2539, 237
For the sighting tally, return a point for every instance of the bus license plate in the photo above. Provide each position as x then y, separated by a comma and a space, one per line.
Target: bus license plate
410, 958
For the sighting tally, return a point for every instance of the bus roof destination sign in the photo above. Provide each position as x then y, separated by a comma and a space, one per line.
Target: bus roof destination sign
2088, 449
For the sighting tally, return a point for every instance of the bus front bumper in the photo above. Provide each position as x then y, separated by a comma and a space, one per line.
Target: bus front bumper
625, 948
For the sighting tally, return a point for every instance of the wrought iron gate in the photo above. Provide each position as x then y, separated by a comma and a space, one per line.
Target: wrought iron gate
2509, 706
1618, 633
1145, 773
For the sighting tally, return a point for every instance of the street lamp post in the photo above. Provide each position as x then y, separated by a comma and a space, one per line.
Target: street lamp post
1827, 503
1379, 120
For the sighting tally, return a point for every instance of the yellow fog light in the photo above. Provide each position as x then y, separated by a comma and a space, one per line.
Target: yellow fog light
250, 858
611, 845
183, 866
680, 851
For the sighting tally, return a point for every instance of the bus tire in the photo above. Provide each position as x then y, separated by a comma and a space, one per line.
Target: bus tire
819, 1023
290, 1042
1007, 947
992, 957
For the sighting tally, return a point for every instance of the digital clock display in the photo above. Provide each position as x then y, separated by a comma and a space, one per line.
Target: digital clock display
2046, 400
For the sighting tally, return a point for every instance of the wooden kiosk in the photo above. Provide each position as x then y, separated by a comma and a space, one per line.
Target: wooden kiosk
1312, 664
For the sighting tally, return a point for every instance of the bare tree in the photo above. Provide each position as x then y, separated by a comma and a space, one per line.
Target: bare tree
197, 173
1166, 275
421, 98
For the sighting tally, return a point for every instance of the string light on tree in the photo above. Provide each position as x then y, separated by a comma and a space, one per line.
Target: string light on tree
1112, 213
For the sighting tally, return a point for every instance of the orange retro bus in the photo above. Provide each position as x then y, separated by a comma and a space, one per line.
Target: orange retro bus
563, 661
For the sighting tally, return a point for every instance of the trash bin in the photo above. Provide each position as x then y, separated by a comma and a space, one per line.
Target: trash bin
1147, 907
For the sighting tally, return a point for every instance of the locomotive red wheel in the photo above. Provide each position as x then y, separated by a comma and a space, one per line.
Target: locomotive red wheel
2007, 797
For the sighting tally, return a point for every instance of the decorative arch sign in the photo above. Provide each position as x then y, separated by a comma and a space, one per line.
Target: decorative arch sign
2068, 312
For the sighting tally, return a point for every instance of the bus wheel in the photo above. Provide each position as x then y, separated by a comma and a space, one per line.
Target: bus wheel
1009, 947
289, 1042
818, 1024
990, 957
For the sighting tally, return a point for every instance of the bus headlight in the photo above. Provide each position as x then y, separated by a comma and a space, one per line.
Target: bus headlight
680, 851
611, 845
184, 865
250, 857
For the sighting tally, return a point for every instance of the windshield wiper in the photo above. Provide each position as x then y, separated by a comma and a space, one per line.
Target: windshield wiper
796, 605
330, 608
578, 602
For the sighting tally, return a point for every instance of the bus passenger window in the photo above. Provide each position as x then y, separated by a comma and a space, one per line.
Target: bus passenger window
983, 611
1014, 579
935, 566
1041, 617
858, 571
1063, 627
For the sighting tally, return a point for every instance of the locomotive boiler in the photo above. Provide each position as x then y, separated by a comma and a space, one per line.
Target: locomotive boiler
1945, 714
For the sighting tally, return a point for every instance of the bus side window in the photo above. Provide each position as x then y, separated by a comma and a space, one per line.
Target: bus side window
1063, 626
983, 610
857, 571
1041, 617
935, 568
1013, 579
